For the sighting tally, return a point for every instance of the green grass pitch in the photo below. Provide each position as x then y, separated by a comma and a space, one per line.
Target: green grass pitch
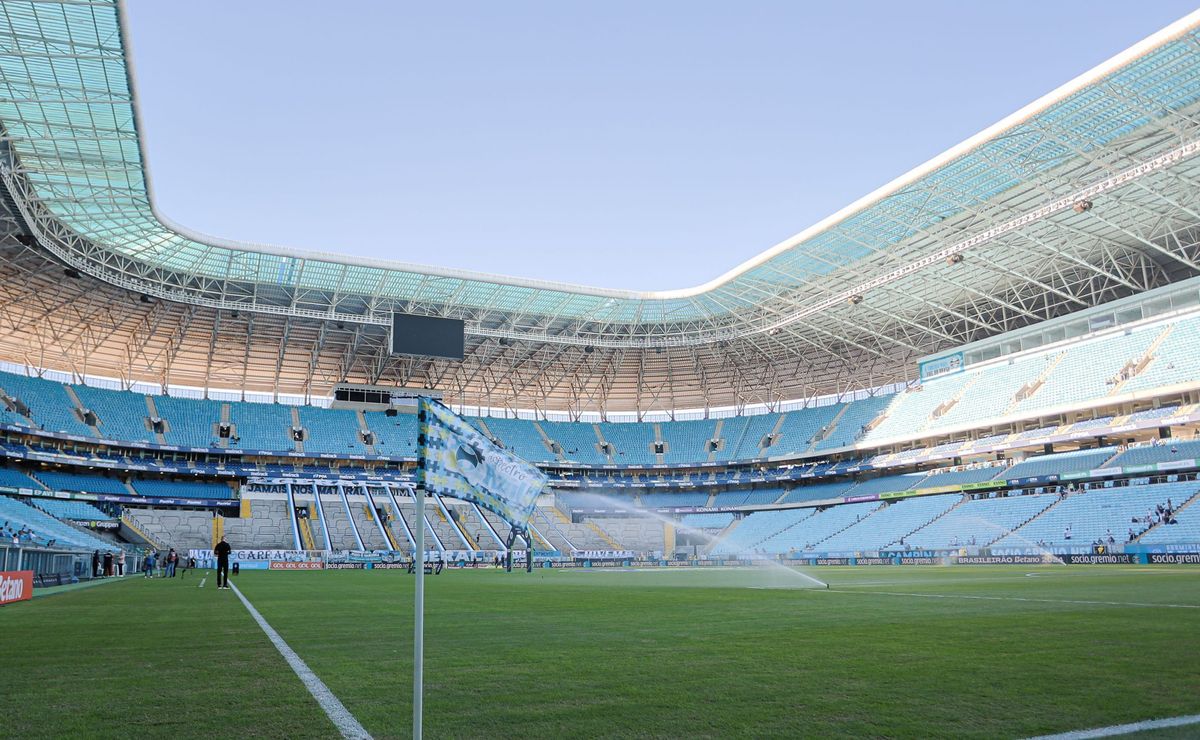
664, 653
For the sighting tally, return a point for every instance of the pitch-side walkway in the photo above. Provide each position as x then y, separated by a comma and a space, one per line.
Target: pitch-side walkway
55, 590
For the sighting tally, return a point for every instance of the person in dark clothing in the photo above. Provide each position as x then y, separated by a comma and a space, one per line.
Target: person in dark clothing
222, 551
95, 564
108, 564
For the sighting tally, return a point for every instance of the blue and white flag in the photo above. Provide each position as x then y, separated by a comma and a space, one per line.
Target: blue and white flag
457, 460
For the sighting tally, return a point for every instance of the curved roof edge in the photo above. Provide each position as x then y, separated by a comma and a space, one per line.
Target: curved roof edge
1155, 40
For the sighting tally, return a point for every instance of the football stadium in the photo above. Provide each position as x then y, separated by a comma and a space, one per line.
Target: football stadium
929, 468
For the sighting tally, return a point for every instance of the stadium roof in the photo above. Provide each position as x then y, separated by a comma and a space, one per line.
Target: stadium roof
847, 303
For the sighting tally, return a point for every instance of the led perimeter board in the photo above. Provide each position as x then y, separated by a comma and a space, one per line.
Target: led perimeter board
427, 336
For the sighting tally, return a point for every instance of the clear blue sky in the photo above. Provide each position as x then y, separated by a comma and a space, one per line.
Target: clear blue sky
620, 144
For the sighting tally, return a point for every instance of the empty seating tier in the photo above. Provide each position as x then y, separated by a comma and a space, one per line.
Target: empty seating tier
1060, 463
58, 480
979, 522
888, 525
182, 489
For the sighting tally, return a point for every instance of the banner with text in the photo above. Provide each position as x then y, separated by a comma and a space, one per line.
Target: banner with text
456, 460
15, 585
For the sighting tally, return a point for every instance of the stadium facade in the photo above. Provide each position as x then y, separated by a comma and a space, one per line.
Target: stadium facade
1035, 288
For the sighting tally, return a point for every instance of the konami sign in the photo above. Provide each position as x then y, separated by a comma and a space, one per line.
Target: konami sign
15, 585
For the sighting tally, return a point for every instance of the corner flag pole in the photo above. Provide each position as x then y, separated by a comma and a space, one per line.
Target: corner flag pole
419, 606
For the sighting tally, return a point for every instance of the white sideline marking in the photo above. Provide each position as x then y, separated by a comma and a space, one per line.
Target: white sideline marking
334, 709
1152, 724
1013, 598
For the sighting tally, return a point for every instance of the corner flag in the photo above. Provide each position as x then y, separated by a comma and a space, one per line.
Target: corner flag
460, 462
457, 461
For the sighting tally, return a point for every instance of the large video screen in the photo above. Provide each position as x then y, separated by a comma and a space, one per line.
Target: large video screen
426, 336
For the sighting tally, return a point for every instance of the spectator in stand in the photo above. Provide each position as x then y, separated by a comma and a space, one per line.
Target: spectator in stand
1067, 532
121, 564
1132, 535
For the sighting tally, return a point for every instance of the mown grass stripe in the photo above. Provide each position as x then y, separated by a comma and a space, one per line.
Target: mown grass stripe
976, 597
334, 709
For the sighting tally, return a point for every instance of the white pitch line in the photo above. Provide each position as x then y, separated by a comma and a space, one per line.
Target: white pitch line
334, 709
1152, 724
1012, 598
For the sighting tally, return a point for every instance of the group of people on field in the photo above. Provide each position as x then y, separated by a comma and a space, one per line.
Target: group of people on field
162, 566
108, 564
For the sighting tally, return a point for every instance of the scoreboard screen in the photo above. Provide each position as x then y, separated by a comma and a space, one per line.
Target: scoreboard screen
427, 336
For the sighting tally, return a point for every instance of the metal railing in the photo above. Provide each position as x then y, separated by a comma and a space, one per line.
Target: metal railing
51, 561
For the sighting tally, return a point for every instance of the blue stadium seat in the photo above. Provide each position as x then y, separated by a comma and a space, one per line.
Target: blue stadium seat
16, 479
122, 415
577, 440
75, 510
521, 437
262, 426
633, 443
980, 521
673, 500
1092, 514
1059, 463
849, 427
48, 402
182, 489
334, 431
191, 422
61, 480
46, 528
394, 435
706, 521
1164, 450
687, 441
809, 533
889, 524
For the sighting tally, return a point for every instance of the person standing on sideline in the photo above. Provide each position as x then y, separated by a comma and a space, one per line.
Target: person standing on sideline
108, 564
222, 551
172, 559
149, 564
121, 564
95, 560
